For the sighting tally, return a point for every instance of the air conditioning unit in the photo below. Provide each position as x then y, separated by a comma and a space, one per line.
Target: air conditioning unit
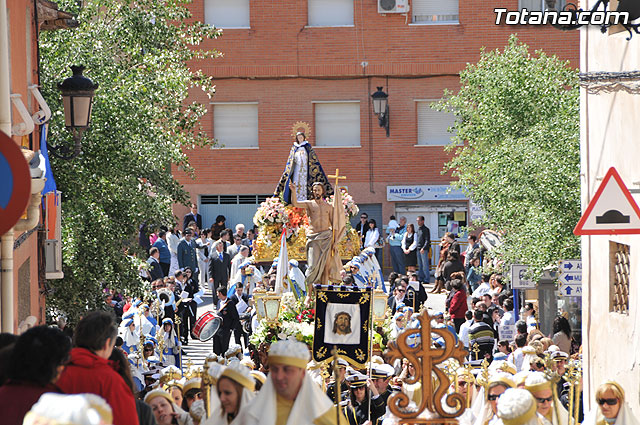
393, 6
53, 259
53, 244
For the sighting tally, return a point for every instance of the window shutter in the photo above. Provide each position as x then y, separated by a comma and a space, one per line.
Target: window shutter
236, 125
532, 5
227, 13
433, 125
327, 13
435, 10
337, 124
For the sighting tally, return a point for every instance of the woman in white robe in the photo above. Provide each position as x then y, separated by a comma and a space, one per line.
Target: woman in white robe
611, 407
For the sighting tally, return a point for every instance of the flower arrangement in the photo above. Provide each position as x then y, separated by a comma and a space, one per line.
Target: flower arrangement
296, 322
271, 211
306, 316
350, 207
274, 212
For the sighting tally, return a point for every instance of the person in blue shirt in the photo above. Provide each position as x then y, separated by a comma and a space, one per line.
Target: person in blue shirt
395, 244
165, 254
474, 277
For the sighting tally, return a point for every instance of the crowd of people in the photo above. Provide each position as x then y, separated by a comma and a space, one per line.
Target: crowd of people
127, 365
46, 377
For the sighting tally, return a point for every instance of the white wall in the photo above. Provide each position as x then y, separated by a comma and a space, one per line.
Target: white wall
609, 137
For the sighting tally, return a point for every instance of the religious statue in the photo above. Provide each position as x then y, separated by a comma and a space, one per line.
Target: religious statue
302, 170
326, 229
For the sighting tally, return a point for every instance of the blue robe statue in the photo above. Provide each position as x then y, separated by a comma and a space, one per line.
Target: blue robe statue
303, 169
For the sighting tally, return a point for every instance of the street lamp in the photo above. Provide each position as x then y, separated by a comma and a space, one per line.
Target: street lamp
381, 108
77, 96
379, 306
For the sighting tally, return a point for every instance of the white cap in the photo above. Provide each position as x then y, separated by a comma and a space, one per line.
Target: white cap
69, 409
516, 407
292, 353
215, 370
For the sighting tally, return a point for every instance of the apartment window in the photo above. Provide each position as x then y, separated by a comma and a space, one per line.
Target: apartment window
538, 5
619, 276
434, 11
227, 13
330, 13
337, 124
433, 125
235, 125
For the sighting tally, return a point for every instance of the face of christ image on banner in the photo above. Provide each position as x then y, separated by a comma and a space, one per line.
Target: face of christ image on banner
343, 324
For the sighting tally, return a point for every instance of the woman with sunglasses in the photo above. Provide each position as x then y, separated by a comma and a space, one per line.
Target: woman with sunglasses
548, 405
485, 408
611, 407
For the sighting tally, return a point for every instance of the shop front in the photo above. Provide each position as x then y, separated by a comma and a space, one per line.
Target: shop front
444, 209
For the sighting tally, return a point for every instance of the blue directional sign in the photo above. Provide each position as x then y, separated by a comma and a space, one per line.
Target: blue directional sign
570, 290
571, 278
570, 266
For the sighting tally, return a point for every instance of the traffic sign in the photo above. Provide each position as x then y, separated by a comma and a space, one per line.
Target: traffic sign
570, 290
16, 183
570, 278
570, 266
518, 280
612, 211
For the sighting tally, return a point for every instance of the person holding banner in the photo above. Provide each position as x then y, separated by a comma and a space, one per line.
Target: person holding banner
366, 402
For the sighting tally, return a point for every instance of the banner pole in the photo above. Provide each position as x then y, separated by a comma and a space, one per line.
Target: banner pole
337, 388
370, 353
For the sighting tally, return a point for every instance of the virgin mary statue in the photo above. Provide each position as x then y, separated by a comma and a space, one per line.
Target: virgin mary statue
303, 169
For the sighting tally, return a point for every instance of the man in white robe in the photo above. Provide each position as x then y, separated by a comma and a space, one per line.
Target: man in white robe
289, 396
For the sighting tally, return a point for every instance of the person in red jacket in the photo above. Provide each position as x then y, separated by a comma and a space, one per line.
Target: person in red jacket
458, 306
89, 370
33, 367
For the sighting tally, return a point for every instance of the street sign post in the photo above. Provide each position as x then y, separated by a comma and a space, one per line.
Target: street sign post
570, 266
611, 211
16, 183
570, 290
570, 279
518, 280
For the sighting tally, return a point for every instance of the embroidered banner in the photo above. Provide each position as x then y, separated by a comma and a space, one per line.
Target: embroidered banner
343, 321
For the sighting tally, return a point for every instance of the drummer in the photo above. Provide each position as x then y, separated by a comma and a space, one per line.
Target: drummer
229, 314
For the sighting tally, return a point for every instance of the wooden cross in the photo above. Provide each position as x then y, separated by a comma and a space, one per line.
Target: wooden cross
338, 177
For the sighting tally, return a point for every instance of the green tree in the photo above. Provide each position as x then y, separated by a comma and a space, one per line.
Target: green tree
137, 51
516, 149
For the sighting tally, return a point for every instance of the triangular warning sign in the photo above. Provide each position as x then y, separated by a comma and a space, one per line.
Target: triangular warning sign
612, 211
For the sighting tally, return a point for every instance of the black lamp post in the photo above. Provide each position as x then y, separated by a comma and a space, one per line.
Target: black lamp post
77, 97
381, 108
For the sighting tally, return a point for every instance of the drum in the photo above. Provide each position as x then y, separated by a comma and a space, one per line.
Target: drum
206, 326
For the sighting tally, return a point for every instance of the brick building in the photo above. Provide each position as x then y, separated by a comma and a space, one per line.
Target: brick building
24, 262
318, 61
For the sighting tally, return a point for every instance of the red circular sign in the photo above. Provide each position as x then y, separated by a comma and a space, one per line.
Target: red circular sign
17, 187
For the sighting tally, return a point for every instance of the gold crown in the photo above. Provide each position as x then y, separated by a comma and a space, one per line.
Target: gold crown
300, 126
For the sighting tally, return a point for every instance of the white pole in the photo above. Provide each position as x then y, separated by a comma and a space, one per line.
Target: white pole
6, 274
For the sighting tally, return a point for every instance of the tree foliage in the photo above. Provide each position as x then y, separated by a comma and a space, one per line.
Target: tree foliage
137, 51
516, 148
